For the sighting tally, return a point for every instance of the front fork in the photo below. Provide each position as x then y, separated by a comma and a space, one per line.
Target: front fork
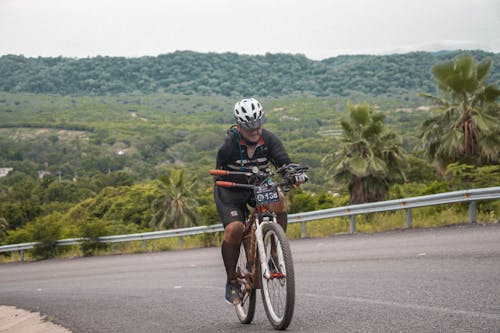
259, 237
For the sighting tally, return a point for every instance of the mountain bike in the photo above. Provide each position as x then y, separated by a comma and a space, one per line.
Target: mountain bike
265, 260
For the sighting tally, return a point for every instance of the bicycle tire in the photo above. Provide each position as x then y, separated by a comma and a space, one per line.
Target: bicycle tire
245, 310
278, 292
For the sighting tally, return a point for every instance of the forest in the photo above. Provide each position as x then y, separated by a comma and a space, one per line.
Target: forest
229, 74
91, 146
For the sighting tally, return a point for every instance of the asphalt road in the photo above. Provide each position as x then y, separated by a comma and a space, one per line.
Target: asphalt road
426, 280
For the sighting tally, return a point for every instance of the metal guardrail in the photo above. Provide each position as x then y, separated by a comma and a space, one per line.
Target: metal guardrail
470, 196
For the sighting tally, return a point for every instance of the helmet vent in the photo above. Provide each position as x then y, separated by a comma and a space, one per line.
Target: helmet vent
249, 110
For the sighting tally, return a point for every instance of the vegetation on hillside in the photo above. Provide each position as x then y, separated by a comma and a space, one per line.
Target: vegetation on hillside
87, 163
228, 74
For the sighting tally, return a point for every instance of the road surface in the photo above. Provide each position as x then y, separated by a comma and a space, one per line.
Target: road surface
421, 280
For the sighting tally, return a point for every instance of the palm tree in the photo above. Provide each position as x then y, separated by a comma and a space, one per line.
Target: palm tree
466, 127
369, 158
3, 228
177, 206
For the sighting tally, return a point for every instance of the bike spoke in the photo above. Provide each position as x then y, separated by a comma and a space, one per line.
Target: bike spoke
246, 308
276, 284
278, 289
277, 296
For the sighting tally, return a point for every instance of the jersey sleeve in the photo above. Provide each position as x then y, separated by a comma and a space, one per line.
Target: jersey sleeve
277, 153
224, 154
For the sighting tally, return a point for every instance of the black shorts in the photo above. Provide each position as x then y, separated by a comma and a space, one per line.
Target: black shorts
232, 204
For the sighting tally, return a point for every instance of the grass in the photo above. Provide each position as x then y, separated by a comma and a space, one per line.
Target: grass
426, 217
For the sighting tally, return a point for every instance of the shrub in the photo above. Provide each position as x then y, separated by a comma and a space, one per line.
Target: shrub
91, 230
46, 231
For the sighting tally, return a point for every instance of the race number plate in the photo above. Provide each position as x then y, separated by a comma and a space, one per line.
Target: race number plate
265, 195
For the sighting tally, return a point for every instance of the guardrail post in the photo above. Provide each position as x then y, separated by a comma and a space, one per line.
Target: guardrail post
408, 217
21, 254
144, 245
181, 241
472, 211
303, 230
352, 226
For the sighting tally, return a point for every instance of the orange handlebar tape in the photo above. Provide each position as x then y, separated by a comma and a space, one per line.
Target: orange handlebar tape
219, 172
224, 184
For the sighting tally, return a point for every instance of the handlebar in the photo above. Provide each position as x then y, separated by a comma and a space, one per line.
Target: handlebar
218, 172
222, 183
288, 172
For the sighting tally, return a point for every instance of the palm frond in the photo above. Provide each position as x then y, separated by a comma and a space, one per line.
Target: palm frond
491, 93
439, 101
360, 114
452, 145
483, 69
358, 166
490, 146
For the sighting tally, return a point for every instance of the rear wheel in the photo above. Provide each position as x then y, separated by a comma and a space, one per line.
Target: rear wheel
245, 310
278, 292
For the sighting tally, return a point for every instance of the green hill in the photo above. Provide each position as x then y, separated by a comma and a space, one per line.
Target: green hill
82, 141
228, 74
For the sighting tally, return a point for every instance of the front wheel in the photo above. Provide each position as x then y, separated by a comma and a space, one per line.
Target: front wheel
278, 292
245, 310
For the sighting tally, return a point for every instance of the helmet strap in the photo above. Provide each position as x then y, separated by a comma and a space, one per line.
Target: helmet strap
234, 131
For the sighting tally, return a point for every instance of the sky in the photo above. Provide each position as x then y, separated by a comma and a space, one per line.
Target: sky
318, 29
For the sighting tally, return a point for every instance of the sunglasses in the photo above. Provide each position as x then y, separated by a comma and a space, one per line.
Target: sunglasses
252, 125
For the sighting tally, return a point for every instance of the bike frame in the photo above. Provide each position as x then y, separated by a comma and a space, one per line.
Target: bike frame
277, 282
260, 212
259, 238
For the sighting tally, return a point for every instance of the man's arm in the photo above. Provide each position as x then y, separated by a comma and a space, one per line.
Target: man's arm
277, 151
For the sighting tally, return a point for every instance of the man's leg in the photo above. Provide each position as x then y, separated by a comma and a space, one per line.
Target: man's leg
281, 211
233, 234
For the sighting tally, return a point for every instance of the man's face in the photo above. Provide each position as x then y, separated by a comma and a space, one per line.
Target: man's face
251, 135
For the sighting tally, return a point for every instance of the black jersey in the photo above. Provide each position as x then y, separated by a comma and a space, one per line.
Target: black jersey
233, 155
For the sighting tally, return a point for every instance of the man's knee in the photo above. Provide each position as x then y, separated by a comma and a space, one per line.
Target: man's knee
279, 207
233, 232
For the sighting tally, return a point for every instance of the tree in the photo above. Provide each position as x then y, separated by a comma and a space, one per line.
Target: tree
4, 225
46, 230
463, 176
176, 207
369, 157
466, 128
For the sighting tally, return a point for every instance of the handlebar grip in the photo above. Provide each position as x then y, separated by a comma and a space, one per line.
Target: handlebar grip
219, 172
224, 183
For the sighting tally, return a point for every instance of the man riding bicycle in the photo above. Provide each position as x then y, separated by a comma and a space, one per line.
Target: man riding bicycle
247, 145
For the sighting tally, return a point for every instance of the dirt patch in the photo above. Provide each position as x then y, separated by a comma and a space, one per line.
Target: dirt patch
14, 320
22, 133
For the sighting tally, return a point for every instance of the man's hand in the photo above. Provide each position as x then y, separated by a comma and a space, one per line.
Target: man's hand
295, 174
300, 178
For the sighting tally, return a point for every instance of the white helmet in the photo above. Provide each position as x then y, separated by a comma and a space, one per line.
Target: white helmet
249, 113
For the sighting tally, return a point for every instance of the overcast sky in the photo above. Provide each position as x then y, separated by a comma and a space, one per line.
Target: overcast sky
316, 28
